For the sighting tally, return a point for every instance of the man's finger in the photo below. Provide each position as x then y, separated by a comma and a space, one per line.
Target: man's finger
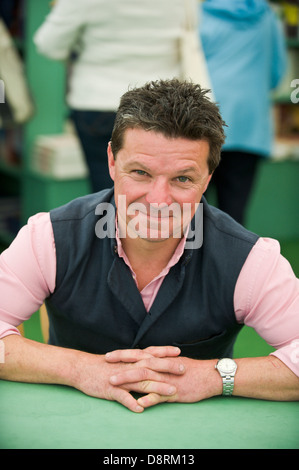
158, 364
152, 399
143, 381
126, 355
151, 386
163, 351
149, 369
134, 355
126, 399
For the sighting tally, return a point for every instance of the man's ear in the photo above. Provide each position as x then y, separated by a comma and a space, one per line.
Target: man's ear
111, 161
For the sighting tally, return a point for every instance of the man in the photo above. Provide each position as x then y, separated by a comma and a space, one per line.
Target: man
145, 294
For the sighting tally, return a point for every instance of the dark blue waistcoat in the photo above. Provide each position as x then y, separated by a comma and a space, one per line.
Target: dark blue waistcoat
96, 306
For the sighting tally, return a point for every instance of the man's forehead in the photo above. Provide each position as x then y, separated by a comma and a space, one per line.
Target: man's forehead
142, 137
150, 151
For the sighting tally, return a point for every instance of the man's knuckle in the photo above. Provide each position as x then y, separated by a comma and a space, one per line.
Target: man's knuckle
145, 374
144, 385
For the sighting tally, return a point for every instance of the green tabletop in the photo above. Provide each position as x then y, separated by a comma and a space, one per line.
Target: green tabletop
34, 416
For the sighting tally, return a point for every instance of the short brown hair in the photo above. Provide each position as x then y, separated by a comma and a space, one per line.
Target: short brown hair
174, 108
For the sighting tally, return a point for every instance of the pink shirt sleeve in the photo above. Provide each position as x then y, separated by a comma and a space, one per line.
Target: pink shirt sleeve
267, 299
27, 273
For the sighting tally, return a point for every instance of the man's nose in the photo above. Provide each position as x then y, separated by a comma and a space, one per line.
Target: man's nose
159, 192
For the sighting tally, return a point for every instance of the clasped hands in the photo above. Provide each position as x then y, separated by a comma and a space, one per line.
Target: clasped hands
159, 373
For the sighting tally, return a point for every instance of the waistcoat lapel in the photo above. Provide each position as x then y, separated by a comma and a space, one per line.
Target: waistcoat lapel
169, 289
123, 287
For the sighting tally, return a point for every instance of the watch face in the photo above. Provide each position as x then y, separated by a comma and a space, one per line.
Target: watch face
227, 365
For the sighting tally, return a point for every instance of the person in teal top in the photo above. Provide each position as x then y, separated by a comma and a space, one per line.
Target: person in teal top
244, 45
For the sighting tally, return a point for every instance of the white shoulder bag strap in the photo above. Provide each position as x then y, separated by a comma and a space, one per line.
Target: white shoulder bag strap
194, 65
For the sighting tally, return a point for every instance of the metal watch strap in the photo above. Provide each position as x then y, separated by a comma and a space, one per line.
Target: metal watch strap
228, 385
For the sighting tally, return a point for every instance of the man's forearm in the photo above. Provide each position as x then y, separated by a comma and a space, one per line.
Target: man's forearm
265, 378
29, 361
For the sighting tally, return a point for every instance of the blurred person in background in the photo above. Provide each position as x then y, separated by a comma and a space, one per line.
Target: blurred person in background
109, 47
246, 56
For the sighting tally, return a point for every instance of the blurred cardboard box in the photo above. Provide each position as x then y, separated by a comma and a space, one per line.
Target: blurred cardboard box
59, 156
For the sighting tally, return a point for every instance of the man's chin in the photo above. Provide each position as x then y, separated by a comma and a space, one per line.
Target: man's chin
156, 235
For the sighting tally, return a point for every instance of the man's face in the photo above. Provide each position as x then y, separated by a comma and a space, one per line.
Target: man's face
157, 181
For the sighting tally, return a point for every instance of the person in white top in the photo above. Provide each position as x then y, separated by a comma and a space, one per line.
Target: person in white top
109, 47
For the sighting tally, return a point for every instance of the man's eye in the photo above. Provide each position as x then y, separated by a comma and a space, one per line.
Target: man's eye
183, 179
140, 172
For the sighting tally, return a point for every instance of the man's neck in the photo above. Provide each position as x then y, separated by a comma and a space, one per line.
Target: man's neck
142, 251
148, 258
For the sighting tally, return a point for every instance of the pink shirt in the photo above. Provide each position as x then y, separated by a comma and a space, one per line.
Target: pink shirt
266, 295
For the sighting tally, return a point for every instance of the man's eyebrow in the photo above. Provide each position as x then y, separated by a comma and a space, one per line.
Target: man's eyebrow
137, 164
188, 170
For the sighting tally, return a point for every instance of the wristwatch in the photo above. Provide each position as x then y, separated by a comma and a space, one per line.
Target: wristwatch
227, 369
